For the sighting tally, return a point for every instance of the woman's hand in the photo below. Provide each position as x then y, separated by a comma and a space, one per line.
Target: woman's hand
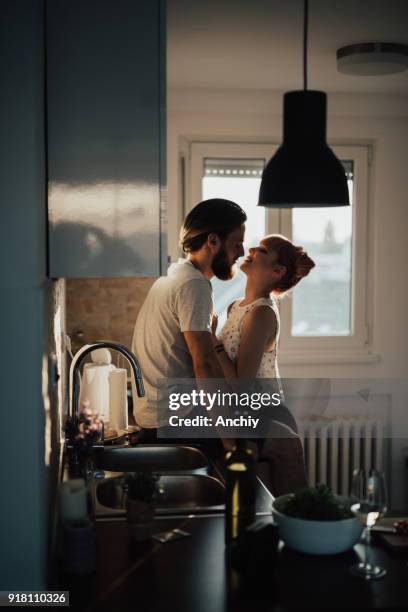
215, 341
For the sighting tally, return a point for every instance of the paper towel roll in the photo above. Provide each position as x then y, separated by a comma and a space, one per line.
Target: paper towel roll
73, 500
95, 387
118, 399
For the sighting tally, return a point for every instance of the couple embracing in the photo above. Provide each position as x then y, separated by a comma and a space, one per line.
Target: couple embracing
175, 332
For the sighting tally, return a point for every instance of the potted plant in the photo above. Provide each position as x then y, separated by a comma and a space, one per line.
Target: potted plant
142, 489
315, 521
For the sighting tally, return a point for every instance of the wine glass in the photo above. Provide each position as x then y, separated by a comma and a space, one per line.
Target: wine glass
369, 503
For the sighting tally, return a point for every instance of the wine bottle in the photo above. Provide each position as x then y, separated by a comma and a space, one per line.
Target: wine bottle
240, 491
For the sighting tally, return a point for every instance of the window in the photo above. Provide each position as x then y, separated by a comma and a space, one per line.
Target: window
326, 313
322, 301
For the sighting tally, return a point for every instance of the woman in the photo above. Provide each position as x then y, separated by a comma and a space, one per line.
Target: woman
247, 348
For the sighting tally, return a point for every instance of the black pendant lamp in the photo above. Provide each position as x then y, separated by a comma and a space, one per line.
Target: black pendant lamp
304, 172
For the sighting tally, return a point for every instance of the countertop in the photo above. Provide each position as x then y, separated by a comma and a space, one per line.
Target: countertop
191, 574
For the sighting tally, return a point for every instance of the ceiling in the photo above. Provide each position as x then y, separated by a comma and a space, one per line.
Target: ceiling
257, 44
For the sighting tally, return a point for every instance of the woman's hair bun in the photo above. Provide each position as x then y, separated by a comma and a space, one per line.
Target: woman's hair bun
303, 264
294, 258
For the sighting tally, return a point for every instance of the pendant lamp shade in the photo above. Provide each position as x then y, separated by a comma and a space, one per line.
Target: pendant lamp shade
304, 172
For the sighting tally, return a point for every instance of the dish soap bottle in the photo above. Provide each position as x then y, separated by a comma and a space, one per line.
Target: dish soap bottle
240, 491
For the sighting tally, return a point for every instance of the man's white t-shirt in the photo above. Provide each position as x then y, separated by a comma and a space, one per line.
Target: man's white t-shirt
181, 301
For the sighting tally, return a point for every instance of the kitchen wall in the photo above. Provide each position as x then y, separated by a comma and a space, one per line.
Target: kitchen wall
33, 388
104, 308
23, 294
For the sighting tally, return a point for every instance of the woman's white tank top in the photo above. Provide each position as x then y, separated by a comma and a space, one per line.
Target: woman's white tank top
231, 334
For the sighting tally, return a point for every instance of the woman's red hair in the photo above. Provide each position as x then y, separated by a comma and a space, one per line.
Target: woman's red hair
295, 259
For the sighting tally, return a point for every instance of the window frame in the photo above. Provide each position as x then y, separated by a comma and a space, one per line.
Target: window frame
308, 349
201, 150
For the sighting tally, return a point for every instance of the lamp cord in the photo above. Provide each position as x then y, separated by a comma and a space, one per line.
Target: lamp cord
305, 26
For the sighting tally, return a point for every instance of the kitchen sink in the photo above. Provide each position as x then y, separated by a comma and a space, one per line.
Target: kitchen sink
152, 457
182, 494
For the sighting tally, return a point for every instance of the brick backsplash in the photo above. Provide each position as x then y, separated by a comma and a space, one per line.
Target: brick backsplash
104, 308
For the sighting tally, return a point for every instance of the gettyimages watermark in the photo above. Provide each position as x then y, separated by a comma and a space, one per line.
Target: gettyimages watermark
241, 413
209, 400
216, 407
267, 408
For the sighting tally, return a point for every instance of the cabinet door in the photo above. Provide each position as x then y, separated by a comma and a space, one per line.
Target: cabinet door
105, 127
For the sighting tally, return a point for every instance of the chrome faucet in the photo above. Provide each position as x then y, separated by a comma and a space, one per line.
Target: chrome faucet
73, 411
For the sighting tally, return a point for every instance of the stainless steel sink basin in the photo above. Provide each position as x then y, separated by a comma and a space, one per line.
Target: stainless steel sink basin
153, 457
182, 494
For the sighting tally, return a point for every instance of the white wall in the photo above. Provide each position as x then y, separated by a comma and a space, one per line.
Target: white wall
382, 121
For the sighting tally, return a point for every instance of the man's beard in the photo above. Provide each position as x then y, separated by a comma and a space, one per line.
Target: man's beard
221, 266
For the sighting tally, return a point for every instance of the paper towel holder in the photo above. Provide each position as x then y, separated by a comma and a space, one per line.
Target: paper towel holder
73, 405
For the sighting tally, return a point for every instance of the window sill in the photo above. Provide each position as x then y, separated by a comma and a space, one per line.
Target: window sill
313, 357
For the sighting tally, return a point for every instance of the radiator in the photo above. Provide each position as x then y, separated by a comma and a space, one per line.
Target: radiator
333, 448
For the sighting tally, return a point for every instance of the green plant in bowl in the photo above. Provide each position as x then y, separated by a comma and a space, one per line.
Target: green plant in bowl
315, 521
316, 504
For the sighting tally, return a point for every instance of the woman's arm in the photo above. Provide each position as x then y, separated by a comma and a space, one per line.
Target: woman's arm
258, 331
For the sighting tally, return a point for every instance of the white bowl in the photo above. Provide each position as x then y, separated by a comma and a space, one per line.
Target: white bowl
316, 537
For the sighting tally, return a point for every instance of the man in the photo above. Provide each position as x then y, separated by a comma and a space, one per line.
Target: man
172, 335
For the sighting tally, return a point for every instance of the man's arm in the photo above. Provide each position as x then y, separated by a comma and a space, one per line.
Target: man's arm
205, 363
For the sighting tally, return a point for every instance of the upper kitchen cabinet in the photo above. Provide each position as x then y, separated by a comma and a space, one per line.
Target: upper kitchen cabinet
105, 111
